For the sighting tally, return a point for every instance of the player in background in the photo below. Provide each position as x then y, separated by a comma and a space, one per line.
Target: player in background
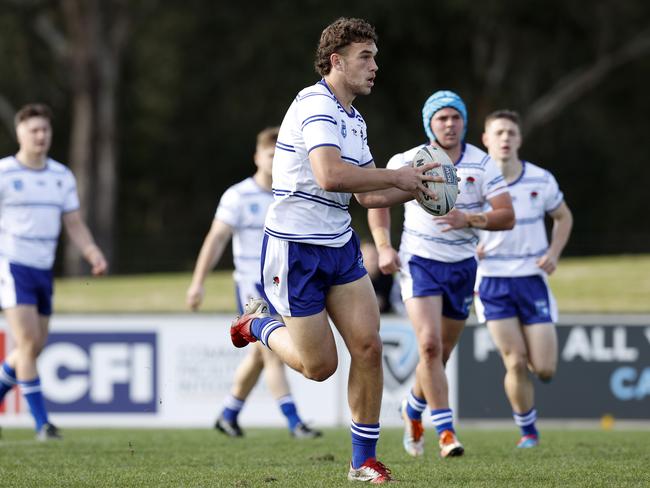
311, 260
381, 283
240, 216
513, 294
437, 263
37, 193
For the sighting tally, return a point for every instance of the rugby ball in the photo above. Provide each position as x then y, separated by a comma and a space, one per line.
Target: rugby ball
447, 191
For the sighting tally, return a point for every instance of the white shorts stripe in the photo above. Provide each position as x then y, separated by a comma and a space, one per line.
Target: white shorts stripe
7, 285
275, 273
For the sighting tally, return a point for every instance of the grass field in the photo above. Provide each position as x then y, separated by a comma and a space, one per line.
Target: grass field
268, 457
613, 284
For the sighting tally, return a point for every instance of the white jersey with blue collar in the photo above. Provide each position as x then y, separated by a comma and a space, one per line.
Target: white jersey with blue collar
31, 204
481, 180
302, 210
243, 207
514, 252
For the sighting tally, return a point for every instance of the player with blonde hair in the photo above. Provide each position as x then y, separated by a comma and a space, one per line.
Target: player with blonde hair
513, 294
240, 216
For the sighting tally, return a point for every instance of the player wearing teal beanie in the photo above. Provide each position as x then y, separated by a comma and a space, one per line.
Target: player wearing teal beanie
438, 101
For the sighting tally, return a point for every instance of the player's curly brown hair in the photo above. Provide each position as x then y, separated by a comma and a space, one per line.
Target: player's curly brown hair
339, 34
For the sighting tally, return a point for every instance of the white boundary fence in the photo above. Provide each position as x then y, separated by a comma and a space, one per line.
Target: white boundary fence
175, 371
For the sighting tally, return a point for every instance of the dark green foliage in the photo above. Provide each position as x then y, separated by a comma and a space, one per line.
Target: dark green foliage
201, 78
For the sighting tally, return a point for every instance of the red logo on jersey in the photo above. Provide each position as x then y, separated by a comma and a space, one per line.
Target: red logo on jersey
276, 281
533, 194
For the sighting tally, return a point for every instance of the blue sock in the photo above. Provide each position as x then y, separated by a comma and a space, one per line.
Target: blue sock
415, 406
289, 410
31, 390
261, 328
443, 419
231, 408
526, 422
364, 442
7, 379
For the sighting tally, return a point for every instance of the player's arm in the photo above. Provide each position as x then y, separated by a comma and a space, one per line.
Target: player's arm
562, 224
211, 251
383, 198
500, 217
386, 198
335, 175
79, 233
379, 223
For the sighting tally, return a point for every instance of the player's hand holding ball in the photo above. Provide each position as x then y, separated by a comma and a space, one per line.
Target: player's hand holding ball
444, 185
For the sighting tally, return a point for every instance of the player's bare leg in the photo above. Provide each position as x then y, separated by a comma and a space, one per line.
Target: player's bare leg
431, 381
248, 372
425, 313
245, 378
541, 341
354, 311
451, 332
276, 379
509, 337
29, 330
306, 345
274, 373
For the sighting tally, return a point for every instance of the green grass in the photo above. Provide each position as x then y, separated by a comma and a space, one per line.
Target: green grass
268, 457
152, 293
613, 284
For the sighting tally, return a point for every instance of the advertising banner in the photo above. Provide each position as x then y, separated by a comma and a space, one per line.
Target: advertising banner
603, 369
176, 371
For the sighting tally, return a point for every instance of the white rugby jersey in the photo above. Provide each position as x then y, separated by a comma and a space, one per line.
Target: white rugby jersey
481, 180
31, 205
514, 252
243, 207
302, 211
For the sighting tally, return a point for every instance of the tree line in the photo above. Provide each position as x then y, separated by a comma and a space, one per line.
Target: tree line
158, 103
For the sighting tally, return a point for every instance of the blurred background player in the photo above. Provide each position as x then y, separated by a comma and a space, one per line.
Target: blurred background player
240, 215
311, 259
36, 194
514, 296
381, 283
437, 263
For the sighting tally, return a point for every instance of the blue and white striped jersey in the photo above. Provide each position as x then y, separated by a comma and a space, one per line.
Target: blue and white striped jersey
243, 207
481, 180
514, 252
31, 205
302, 210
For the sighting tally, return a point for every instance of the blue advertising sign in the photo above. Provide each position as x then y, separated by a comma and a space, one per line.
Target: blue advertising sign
100, 372
602, 369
